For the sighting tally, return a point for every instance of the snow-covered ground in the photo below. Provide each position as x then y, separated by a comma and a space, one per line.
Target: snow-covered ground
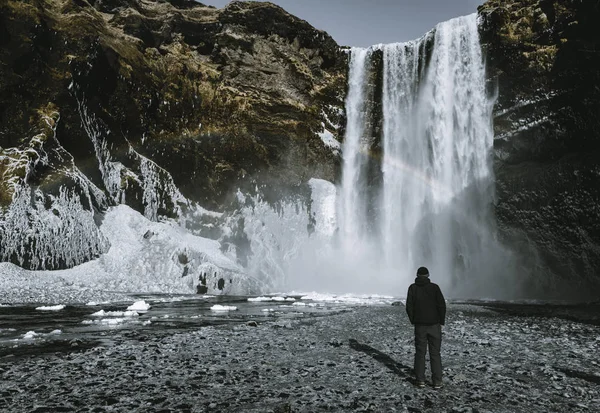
355, 359
144, 256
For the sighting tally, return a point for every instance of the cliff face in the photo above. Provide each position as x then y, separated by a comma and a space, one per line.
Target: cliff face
543, 57
167, 106
171, 106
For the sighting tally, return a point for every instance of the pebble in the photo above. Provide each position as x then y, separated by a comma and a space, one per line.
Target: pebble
348, 362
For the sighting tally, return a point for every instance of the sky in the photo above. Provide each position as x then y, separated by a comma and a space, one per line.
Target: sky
367, 22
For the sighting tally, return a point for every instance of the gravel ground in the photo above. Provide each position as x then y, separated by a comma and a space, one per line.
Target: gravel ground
353, 360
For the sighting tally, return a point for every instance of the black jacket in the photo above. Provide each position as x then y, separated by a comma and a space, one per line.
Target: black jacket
425, 303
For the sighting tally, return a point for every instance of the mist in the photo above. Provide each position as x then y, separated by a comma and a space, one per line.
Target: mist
428, 200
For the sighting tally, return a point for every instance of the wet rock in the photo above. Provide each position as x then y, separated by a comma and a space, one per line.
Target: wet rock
336, 343
75, 342
545, 145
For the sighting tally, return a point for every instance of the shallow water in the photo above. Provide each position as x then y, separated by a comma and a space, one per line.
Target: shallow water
75, 324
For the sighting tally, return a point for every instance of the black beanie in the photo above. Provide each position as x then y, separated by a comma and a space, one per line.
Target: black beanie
423, 271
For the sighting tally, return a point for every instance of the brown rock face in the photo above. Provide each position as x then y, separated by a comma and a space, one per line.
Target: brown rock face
161, 103
544, 57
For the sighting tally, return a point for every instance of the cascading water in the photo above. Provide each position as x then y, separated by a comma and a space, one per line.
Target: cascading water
405, 153
416, 185
437, 186
352, 202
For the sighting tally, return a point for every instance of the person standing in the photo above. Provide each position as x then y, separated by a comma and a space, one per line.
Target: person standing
426, 309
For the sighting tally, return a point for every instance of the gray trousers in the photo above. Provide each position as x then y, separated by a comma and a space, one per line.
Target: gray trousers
428, 336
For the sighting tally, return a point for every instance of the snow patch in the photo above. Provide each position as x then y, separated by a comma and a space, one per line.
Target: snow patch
329, 140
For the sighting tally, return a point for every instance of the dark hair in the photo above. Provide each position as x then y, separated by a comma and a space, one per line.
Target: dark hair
422, 271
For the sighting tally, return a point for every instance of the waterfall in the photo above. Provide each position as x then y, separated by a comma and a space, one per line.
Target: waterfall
405, 153
352, 204
434, 205
416, 187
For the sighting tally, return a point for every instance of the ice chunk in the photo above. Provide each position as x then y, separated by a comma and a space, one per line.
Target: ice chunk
103, 313
258, 299
51, 307
107, 321
139, 306
30, 335
218, 307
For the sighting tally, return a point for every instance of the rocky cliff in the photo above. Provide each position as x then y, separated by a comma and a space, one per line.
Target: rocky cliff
544, 59
167, 106
171, 106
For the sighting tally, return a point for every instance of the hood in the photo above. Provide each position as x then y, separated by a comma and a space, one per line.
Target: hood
422, 280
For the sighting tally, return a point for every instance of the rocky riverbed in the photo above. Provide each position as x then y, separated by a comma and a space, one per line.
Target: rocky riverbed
332, 358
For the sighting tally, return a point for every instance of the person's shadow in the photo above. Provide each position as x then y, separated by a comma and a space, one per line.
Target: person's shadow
397, 368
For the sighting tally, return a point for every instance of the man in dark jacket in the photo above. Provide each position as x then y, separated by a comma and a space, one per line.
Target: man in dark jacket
426, 310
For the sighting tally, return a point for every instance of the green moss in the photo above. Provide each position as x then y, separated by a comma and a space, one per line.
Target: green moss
23, 11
